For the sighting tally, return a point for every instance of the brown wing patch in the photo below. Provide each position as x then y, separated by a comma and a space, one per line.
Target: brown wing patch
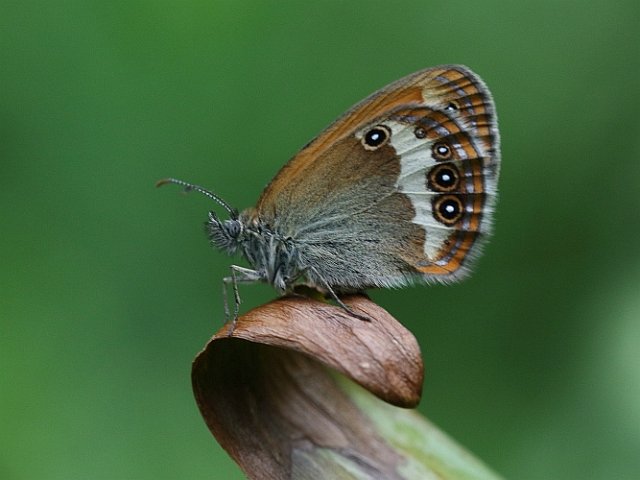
362, 113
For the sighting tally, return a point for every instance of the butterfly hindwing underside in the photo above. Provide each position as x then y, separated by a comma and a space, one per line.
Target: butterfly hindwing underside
399, 189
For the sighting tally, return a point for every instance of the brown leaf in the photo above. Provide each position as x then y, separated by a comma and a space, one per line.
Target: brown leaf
267, 396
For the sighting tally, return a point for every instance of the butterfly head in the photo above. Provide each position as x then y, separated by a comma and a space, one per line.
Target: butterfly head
226, 235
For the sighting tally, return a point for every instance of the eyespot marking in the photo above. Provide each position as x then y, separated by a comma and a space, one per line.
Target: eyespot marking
447, 209
441, 151
451, 107
443, 178
376, 137
420, 132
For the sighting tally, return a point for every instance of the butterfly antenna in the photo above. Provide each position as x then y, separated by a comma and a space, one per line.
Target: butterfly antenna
188, 187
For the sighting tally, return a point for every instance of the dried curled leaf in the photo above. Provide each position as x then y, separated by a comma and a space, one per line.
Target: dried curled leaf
381, 355
269, 397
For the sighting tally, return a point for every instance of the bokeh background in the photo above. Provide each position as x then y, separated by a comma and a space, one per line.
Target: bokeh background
108, 287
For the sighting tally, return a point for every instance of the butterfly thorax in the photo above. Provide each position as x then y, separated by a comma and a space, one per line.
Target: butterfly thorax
272, 255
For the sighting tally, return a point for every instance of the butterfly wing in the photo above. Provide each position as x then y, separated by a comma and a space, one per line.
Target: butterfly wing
401, 187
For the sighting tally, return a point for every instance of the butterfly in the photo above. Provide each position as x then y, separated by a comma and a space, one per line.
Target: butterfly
398, 190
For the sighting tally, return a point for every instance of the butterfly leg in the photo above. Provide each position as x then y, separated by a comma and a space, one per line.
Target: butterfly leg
336, 299
238, 275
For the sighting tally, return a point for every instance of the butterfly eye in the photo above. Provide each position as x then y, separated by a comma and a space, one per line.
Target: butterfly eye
376, 137
447, 209
441, 151
443, 178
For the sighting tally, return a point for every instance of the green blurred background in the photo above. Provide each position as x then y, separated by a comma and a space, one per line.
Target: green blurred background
108, 286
